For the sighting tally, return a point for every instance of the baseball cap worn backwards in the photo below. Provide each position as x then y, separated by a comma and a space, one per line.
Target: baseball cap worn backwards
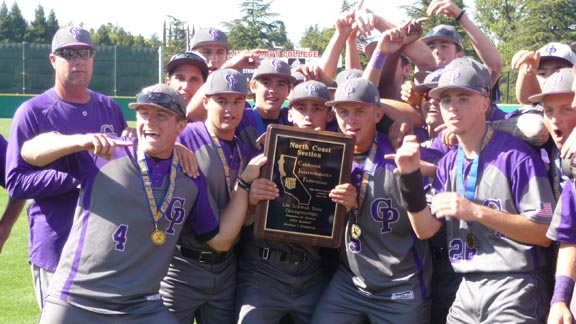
187, 58
209, 36
559, 82
270, 67
163, 97
463, 73
309, 90
225, 81
357, 91
444, 32
558, 52
71, 36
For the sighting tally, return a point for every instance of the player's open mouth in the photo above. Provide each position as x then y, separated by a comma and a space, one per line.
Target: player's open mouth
151, 135
558, 134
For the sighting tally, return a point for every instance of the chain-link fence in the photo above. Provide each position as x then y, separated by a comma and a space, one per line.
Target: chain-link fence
118, 71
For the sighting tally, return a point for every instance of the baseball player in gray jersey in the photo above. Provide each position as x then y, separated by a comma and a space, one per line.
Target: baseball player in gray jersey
384, 273
135, 201
201, 282
557, 98
493, 195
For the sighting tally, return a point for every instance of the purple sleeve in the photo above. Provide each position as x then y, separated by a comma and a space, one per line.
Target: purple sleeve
437, 147
24, 181
188, 137
202, 218
3, 147
563, 226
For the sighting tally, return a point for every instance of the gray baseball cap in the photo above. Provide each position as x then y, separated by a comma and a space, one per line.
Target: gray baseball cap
558, 52
209, 36
309, 90
444, 32
559, 82
273, 67
71, 36
226, 81
163, 97
358, 90
187, 58
298, 76
346, 74
463, 73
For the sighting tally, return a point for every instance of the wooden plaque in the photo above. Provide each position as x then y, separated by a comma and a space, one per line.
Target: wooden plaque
305, 165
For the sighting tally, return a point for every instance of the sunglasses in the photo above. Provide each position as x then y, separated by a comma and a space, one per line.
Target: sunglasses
71, 53
160, 99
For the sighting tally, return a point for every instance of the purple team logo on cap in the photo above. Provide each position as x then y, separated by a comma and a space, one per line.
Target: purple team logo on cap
453, 76
556, 79
550, 49
214, 33
231, 80
75, 32
350, 75
277, 65
349, 90
312, 89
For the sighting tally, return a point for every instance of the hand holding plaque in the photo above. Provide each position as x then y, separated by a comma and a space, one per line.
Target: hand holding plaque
305, 165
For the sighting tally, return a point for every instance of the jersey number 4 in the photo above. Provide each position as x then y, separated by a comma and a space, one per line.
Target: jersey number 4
120, 237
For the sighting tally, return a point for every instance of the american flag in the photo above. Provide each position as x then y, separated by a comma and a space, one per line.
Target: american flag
360, 45
545, 210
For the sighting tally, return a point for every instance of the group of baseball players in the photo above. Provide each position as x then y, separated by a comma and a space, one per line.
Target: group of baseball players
456, 212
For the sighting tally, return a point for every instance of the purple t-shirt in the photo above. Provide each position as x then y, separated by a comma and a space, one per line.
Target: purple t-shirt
563, 226
3, 147
54, 193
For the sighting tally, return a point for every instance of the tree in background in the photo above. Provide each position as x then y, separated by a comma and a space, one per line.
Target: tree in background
525, 24
256, 28
41, 29
17, 23
4, 24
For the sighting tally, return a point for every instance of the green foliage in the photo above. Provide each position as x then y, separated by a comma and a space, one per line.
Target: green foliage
525, 24
17, 23
315, 39
4, 24
256, 28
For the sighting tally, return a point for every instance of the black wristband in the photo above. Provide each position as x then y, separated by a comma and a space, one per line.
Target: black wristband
412, 190
460, 15
244, 185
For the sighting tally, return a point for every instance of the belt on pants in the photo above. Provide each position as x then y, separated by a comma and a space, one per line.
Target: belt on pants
208, 257
275, 255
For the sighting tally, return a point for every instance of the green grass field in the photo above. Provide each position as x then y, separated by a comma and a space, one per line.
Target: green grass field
18, 304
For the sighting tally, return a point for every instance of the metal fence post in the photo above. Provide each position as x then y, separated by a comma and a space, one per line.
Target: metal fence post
115, 73
160, 64
24, 67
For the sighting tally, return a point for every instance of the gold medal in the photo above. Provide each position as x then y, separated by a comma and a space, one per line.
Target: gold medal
355, 231
158, 237
470, 241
